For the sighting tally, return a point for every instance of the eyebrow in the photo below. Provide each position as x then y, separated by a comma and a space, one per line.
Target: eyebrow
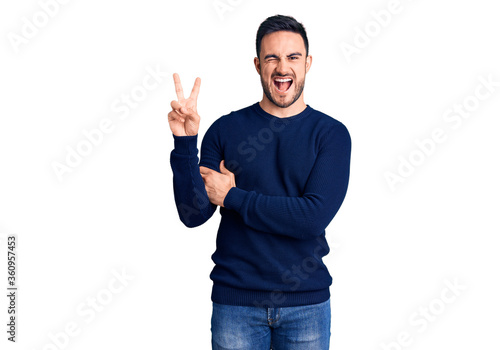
290, 55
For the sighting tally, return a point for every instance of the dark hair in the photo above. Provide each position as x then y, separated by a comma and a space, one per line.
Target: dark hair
280, 23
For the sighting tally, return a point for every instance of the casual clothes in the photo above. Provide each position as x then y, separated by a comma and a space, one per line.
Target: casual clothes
291, 179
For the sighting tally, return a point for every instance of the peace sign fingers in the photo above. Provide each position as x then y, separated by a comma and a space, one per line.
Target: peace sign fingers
184, 119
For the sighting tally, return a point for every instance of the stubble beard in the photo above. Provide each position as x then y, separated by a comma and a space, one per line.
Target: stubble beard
298, 91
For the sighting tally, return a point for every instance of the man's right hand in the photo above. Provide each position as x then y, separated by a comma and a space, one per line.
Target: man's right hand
184, 119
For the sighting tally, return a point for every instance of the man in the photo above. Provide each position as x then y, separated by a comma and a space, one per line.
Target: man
279, 171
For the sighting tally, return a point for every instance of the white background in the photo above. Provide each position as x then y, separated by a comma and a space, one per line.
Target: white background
392, 250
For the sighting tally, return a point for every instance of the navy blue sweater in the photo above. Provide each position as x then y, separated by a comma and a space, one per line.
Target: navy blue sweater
291, 179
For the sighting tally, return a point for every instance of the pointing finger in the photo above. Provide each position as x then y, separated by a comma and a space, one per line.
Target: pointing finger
203, 170
178, 87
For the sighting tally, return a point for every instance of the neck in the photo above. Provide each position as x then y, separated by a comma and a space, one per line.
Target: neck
297, 107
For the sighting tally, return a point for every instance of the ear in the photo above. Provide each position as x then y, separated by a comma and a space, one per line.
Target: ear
256, 62
308, 63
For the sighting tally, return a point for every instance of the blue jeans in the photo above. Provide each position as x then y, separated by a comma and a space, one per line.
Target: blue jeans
260, 328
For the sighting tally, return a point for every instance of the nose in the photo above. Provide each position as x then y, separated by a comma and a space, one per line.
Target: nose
282, 67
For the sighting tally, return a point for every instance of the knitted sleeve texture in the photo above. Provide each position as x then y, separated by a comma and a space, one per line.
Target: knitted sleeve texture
308, 215
193, 205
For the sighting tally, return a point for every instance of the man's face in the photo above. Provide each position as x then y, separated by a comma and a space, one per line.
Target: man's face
282, 66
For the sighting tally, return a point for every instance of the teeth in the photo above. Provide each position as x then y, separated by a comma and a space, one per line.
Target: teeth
282, 80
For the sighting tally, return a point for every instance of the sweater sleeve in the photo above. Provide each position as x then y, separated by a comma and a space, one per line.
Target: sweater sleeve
191, 199
306, 216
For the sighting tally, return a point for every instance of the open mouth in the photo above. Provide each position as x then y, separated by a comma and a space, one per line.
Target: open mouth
282, 84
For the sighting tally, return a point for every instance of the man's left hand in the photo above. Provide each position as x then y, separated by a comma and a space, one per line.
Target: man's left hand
217, 184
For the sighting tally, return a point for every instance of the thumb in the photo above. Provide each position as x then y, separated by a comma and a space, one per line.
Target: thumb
223, 169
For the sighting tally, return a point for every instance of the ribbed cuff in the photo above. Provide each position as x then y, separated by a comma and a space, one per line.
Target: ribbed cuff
185, 144
234, 198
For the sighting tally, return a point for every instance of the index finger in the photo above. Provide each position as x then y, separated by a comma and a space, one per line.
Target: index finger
196, 89
205, 170
178, 87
